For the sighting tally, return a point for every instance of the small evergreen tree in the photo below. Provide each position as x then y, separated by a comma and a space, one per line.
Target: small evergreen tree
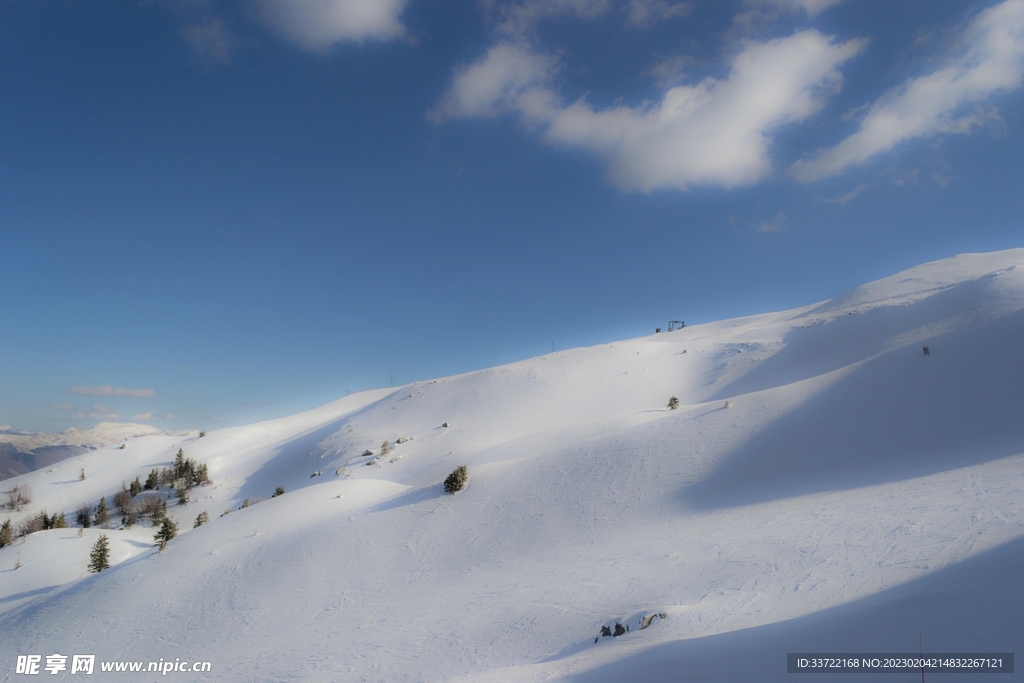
168, 530
456, 481
101, 512
58, 522
201, 519
6, 534
182, 491
202, 434
279, 491
203, 475
81, 474
152, 481
136, 487
99, 558
159, 512
180, 467
673, 403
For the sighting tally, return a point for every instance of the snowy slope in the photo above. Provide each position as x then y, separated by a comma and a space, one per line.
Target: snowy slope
853, 494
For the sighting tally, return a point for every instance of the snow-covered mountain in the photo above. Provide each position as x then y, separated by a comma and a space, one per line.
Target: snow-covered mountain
22, 452
824, 486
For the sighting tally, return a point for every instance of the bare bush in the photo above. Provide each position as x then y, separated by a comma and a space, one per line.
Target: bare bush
19, 496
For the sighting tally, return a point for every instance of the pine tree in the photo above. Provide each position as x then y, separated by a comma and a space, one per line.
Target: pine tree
58, 522
279, 491
168, 530
136, 487
201, 519
81, 474
160, 513
6, 534
101, 512
99, 558
152, 481
673, 403
203, 475
182, 491
180, 468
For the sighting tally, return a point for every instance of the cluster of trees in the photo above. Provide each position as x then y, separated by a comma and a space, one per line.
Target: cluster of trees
184, 475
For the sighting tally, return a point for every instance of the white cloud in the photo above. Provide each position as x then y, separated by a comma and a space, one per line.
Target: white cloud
643, 13
989, 59
495, 84
142, 417
716, 132
108, 390
210, 40
317, 24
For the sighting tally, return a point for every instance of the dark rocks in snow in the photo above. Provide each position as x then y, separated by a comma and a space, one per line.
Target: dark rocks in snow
316, 474
401, 439
618, 630
444, 426
605, 632
367, 453
927, 351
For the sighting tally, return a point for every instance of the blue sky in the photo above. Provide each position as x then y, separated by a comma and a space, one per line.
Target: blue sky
226, 211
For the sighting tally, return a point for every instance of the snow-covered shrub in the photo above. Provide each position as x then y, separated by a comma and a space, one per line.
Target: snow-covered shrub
456, 481
201, 519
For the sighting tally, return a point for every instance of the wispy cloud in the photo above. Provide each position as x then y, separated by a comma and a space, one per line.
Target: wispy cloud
97, 412
644, 13
520, 17
108, 390
846, 197
717, 132
210, 40
316, 25
811, 7
62, 406
988, 60
774, 225
146, 417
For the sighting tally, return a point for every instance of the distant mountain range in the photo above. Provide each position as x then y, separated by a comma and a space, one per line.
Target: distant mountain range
22, 452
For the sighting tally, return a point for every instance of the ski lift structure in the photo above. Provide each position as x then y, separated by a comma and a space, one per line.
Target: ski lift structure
672, 325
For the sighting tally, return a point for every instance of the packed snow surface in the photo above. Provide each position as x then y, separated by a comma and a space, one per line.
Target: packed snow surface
823, 486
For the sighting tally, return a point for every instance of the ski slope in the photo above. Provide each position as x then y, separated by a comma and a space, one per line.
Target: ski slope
823, 486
